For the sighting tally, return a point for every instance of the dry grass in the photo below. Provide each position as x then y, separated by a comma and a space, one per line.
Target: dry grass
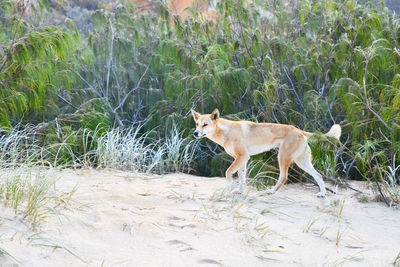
32, 193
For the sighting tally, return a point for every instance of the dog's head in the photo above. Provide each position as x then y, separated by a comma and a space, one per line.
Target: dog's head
205, 124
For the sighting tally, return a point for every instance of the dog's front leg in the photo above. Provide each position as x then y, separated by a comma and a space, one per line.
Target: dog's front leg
240, 160
242, 178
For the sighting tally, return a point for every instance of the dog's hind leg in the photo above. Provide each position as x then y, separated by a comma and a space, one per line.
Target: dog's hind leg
287, 151
284, 163
304, 162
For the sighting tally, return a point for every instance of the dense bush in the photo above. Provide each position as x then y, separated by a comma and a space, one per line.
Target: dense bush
308, 63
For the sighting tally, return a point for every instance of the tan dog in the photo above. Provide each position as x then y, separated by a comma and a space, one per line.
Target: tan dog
242, 139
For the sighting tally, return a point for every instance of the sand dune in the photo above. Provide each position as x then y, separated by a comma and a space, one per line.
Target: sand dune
123, 219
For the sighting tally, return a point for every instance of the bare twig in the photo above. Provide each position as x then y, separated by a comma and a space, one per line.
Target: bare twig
294, 90
86, 82
311, 180
367, 100
66, 101
380, 192
111, 57
343, 184
132, 90
136, 115
118, 87
329, 110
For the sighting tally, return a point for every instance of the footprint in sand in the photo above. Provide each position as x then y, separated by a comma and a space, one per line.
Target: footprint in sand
190, 225
209, 261
128, 228
182, 246
175, 218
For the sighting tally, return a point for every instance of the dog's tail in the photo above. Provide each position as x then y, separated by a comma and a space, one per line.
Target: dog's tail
335, 131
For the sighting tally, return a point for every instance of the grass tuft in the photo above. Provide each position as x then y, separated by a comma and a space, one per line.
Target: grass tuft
32, 193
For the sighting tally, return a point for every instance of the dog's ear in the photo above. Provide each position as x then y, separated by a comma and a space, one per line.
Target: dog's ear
215, 114
195, 114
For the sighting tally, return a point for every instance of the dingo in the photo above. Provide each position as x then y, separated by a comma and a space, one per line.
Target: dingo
242, 139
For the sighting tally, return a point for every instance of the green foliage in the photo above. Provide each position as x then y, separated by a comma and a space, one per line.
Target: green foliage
309, 64
324, 150
32, 66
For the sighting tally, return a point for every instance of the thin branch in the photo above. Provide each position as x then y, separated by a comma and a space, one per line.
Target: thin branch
343, 184
294, 90
133, 89
136, 115
111, 57
311, 180
384, 136
86, 82
329, 110
118, 86
5, 61
66, 101
380, 192
367, 100
15, 76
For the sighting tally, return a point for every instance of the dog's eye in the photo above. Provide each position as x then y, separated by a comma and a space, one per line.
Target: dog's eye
205, 124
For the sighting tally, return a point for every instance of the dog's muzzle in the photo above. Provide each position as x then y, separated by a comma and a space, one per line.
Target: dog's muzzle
198, 135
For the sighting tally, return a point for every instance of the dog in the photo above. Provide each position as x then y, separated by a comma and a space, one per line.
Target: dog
242, 139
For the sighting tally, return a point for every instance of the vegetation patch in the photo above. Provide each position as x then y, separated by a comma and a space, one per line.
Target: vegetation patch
113, 88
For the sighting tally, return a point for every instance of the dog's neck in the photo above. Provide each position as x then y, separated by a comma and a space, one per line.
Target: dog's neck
219, 135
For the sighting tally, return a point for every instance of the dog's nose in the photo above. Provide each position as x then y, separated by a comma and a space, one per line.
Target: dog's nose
196, 134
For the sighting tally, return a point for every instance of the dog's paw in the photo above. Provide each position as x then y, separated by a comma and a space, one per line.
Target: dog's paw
271, 191
320, 194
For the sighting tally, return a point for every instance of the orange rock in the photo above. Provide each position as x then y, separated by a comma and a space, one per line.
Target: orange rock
181, 8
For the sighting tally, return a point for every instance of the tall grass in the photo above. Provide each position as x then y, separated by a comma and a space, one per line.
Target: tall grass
391, 186
179, 151
125, 149
18, 147
128, 150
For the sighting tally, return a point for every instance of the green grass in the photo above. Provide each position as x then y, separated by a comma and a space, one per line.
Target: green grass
32, 193
129, 150
396, 261
40, 241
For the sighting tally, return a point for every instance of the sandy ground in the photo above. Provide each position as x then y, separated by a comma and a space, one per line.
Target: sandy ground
122, 219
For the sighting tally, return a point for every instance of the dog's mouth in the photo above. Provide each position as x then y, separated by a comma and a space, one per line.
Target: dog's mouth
198, 136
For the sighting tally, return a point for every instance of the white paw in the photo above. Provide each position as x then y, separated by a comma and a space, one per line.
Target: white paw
320, 194
271, 191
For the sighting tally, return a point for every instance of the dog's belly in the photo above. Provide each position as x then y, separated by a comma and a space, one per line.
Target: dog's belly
254, 150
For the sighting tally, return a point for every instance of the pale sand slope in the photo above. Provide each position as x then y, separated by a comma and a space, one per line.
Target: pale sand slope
121, 219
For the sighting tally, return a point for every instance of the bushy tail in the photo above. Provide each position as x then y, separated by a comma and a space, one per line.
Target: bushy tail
335, 131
